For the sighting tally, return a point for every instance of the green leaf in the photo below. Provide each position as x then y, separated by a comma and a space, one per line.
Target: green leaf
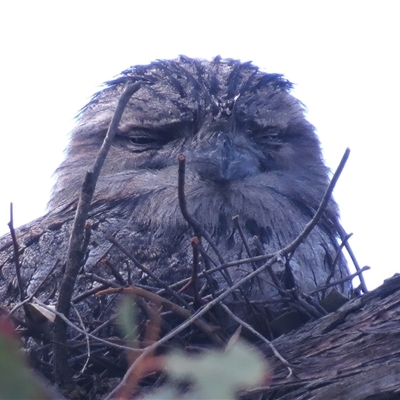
127, 319
220, 375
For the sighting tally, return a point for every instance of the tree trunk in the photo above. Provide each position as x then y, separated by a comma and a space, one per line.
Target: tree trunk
353, 353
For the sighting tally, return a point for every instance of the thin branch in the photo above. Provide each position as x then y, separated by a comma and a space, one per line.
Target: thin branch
86, 336
114, 271
198, 229
261, 337
343, 235
89, 292
193, 282
16, 254
271, 272
147, 271
75, 254
339, 281
168, 305
73, 326
328, 194
336, 259
235, 220
28, 299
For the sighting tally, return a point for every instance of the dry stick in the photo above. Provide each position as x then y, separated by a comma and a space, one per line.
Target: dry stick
340, 249
343, 235
16, 254
89, 292
207, 268
108, 322
62, 370
28, 299
286, 250
73, 326
149, 272
87, 338
314, 310
261, 337
105, 282
114, 271
290, 295
223, 266
235, 220
195, 242
339, 281
160, 301
198, 229
271, 272
328, 194
335, 261
87, 235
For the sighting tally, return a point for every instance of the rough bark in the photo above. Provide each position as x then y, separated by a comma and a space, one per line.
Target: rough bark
353, 353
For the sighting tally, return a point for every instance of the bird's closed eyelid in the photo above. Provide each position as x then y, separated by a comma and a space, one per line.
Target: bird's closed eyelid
143, 139
145, 133
274, 133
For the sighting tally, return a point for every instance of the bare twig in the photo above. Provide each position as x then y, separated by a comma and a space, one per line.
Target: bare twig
343, 235
161, 302
198, 229
86, 336
75, 254
324, 202
143, 268
339, 281
89, 292
261, 337
87, 235
336, 259
114, 271
28, 299
195, 242
73, 326
235, 220
16, 254
269, 268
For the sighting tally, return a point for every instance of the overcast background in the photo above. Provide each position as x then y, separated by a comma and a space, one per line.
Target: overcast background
343, 57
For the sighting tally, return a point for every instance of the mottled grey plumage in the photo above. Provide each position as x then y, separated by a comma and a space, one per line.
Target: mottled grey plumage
250, 152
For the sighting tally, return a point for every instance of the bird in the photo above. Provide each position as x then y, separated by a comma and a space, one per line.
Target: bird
254, 177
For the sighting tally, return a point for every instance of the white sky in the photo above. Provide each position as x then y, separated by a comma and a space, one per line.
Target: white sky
343, 56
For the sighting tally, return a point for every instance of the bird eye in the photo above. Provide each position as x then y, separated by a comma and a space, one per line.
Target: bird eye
142, 140
146, 139
268, 135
